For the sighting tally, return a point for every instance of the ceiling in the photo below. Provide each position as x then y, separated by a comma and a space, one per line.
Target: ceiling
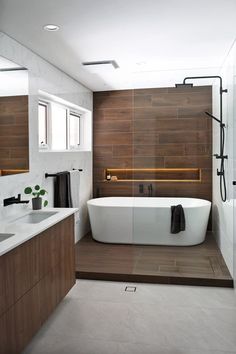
155, 42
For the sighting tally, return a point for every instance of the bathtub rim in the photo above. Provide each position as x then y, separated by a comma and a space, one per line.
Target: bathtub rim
92, 202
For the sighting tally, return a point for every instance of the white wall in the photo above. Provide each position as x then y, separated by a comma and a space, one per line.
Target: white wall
13, 83
43, 76
223, 212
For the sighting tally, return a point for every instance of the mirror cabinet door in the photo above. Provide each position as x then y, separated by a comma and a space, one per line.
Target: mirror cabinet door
14, 135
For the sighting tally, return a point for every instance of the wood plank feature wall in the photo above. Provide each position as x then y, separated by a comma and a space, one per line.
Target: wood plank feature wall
14, 136
153, 128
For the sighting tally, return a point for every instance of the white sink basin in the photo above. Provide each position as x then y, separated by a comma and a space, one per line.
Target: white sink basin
4, 236
34, 217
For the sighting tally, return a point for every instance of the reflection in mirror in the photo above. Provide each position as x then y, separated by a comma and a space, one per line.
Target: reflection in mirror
14, 137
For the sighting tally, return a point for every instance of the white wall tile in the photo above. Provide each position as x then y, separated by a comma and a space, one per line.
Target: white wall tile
44, 76
223, 213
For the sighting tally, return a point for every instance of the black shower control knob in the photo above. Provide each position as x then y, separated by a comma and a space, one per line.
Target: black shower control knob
220, 173
234, 183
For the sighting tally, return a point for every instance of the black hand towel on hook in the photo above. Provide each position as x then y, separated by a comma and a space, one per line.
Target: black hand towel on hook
177, 219
62, 190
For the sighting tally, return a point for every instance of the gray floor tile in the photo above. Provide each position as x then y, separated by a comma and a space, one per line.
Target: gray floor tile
100, 317
171, 295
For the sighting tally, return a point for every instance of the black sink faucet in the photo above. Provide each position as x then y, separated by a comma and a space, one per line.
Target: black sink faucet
14, 200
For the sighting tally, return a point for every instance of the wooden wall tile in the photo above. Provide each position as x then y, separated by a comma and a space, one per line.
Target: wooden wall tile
98, 173
200, 136
115, 162
123, 151
152, 128
109, 189
142, 101
207, 175
195, 111
151, 91
155, 113
159, 150
103, 151
113, 102
113, 114
188, 161
181, 99
170, 124
198, 149
112, 125
145, 138
148, 162
115, 93
193, 89
112, 138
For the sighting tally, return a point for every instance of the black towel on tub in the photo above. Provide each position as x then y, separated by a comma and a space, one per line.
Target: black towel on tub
62, 190
177, 219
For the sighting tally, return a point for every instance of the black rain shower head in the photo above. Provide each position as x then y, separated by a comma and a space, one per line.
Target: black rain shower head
189, 85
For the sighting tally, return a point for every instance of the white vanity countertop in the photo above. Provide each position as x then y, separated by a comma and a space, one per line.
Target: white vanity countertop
25, 231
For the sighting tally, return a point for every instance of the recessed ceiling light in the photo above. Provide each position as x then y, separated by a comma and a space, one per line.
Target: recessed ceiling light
51, 28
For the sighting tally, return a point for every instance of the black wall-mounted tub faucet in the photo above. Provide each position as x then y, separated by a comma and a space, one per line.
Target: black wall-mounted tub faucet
150, 190
14, 200
141, 188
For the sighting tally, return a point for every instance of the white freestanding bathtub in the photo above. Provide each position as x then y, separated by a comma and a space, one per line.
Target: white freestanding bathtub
147, 221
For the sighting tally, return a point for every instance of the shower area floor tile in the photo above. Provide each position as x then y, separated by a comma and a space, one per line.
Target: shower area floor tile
195, 265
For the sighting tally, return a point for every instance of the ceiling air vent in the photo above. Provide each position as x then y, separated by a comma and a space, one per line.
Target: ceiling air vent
101, 63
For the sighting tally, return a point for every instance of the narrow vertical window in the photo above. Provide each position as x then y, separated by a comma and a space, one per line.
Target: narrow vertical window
58, 127
74, 130
42, 121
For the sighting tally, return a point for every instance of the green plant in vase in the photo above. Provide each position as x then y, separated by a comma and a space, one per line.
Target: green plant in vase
37, 192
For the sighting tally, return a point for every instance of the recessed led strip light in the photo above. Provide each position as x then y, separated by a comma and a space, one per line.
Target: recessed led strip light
51, 28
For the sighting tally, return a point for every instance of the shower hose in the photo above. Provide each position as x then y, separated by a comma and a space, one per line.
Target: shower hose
223, 193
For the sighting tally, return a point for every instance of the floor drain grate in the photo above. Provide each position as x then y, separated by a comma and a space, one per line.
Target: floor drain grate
130, 289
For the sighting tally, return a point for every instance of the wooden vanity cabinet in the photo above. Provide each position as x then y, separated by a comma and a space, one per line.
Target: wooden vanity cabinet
34, 278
